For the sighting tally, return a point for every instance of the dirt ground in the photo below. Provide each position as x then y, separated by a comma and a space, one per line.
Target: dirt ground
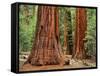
79, 64
87, 63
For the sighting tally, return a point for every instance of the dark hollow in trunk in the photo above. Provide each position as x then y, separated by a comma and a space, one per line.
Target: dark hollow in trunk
46, 49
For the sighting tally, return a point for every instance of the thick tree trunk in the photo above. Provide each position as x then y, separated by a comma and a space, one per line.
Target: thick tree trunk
81, 26
46, 49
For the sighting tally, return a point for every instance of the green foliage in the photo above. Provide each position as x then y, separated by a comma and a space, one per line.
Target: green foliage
27, 23
91, 32
61, 24
65, 13
27, 27
65, 20
90, 45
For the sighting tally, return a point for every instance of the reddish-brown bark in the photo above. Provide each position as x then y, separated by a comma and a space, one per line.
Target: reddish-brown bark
81, 26
46, 49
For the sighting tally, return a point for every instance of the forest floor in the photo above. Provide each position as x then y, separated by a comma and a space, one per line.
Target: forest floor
86, 63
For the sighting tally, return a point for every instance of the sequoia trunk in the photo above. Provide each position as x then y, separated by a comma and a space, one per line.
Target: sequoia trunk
81, 26
46, 49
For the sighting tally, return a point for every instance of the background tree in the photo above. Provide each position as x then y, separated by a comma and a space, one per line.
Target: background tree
91, 33
80, 32
27, 22
30, 24
66, 29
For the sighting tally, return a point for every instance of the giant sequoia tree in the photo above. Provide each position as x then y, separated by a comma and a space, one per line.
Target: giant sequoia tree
80, 31
46, 48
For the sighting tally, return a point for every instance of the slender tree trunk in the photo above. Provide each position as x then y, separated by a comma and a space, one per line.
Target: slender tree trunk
81, 26
68, 44
69, 32
65, 47
26, 14
46, 49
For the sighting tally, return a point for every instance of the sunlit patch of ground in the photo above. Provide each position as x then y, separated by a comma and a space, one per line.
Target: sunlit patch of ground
87, 63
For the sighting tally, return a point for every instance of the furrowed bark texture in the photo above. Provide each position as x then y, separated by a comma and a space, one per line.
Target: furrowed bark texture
81, 26
46, 49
